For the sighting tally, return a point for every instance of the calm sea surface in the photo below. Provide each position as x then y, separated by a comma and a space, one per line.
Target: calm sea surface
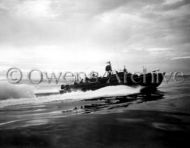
109, 117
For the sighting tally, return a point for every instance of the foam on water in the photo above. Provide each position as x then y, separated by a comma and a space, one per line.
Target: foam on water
78, 95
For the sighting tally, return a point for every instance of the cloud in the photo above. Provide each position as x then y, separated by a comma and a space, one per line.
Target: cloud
34, 9
174, 4
180, 58
135, 32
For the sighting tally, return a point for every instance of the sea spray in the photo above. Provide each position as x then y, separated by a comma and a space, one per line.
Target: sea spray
8, 91
73, 96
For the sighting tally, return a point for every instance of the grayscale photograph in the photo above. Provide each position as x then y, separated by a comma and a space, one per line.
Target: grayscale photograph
94, 73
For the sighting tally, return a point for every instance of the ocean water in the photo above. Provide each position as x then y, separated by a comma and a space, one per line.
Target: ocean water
115, 116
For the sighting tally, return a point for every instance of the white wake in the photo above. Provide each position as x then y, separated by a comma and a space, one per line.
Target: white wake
78, 95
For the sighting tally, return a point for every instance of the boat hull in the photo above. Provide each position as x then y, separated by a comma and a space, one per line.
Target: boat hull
149, 80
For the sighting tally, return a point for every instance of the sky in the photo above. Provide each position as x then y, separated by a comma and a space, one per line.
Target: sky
82, 35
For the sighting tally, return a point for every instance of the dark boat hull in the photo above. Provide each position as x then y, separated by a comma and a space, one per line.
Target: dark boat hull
149, 80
